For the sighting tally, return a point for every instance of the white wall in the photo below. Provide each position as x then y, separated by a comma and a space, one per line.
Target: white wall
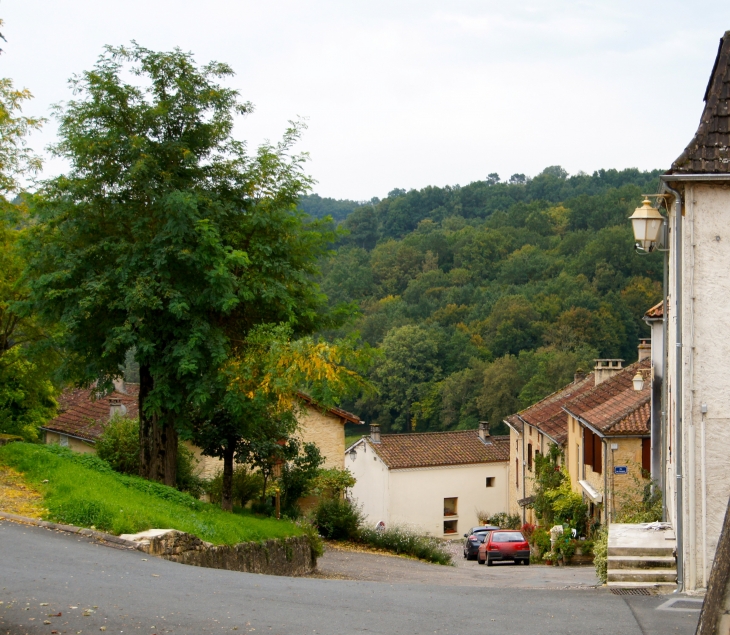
415, 497
371, 491
706, 380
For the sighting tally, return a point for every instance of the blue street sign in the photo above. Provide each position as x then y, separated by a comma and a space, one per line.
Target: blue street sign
620, 469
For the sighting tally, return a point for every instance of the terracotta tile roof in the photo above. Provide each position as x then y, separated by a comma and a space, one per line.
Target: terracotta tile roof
656, 312
548, 415
709, 150
432, 449
515, 422
83, 415
337, 412
614, 407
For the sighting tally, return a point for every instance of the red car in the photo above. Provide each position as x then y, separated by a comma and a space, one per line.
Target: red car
504, 545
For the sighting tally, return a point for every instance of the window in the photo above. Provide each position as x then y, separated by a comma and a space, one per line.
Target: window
529, 456
597, 454
490, 481
63, 440
450, 506
517, 473
451, 526
646, 455
588, 447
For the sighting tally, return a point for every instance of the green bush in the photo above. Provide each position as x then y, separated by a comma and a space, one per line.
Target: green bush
337, 519
118, 445
640, 503
187, 478
600, 554
505, 521
405, 542
246, 486
541, 540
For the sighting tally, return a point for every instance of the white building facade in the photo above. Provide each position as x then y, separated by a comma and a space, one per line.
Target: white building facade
435, 483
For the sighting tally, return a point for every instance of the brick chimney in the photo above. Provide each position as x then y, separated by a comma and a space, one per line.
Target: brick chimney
644, 348
484, 430
374, 433
607, 368
116, 407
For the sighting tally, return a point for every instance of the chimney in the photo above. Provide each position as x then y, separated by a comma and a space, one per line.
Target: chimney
116, 407
374, 433
119, 385
483, 430
644, 348
607, 368
580, 375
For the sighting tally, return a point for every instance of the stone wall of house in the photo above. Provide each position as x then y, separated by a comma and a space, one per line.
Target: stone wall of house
289, 556
514, 484
77, 445
327, 432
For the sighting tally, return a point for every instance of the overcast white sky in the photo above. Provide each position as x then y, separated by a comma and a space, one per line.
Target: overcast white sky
409, 93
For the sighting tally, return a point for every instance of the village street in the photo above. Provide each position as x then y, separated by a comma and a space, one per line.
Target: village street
56, 582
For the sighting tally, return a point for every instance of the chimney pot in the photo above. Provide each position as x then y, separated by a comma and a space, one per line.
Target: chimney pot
607, 368
374, 433
116, 407
644, 348
483, 430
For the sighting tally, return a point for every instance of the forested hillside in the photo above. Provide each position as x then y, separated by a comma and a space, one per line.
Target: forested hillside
485, 298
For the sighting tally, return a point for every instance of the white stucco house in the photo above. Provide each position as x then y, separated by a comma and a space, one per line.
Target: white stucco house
432, 482
691, 431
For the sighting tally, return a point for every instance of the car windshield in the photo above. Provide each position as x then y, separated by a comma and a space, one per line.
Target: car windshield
507, 536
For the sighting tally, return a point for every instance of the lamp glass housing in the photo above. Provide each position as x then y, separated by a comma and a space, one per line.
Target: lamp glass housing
638, 382
647, 223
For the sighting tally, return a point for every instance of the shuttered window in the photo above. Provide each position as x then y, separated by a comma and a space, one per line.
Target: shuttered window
587, 447
529, 456
646, 455
597, 454
517, 473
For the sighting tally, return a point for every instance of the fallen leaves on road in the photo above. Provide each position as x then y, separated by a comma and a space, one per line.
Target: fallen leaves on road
59, 614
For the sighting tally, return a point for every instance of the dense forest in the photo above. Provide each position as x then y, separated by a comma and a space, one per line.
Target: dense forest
482, 299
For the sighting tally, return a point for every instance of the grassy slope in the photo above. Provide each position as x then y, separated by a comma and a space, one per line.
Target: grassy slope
82, 490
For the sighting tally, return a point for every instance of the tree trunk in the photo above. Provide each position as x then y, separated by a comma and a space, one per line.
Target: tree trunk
227, 493
146, 423
157, 438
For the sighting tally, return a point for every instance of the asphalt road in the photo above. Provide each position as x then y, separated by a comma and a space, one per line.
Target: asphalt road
97, 588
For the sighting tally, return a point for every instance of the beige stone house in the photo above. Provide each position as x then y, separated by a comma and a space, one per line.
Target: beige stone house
82, 418
432, 482
532, 431
608, 447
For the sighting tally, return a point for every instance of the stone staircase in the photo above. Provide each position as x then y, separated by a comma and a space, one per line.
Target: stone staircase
641, 558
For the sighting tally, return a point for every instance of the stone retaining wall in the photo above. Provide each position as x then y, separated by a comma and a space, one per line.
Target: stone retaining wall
288, 556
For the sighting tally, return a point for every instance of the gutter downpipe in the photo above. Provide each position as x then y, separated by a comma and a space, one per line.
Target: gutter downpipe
679, 529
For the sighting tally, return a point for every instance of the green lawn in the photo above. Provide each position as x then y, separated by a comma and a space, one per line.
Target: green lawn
83, 490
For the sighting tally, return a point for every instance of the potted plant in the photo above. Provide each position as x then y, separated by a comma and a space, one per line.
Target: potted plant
549, 557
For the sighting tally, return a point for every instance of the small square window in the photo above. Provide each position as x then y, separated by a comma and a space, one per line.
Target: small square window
490, 481
451, 526
63, 440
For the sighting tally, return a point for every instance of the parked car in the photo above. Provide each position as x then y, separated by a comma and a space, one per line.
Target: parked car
475, 538
504, 545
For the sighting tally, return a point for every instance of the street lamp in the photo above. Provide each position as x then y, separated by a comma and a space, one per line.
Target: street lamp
647, 222
638, 381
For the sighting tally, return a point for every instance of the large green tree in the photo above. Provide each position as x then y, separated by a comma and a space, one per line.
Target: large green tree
167, 237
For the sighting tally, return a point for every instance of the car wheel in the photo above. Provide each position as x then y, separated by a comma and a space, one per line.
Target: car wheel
480, 561
489, 562
527, 562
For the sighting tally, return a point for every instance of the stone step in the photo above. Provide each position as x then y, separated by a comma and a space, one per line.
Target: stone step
645, 576
642, 562
643, 550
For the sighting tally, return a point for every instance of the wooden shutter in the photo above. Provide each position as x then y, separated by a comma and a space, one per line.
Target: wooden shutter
646, 455
597, 454
587, 447
517, 473
529, 456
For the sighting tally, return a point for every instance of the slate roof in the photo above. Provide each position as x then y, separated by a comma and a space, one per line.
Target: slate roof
433, 449
614, 407
709, 150
655, 313
548, 415
83, 415
337, 412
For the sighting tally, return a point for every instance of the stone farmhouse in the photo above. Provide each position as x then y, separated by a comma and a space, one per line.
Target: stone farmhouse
82, 417
433, 482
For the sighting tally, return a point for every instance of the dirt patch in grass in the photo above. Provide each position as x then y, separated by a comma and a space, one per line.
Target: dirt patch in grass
16, 497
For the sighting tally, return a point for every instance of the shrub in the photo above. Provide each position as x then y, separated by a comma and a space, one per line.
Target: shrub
403, 541
337, 519
118, 445
504, 521
246, 486
640, 503
527, 530
600, 554
332, 482
564, 546
541, 540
